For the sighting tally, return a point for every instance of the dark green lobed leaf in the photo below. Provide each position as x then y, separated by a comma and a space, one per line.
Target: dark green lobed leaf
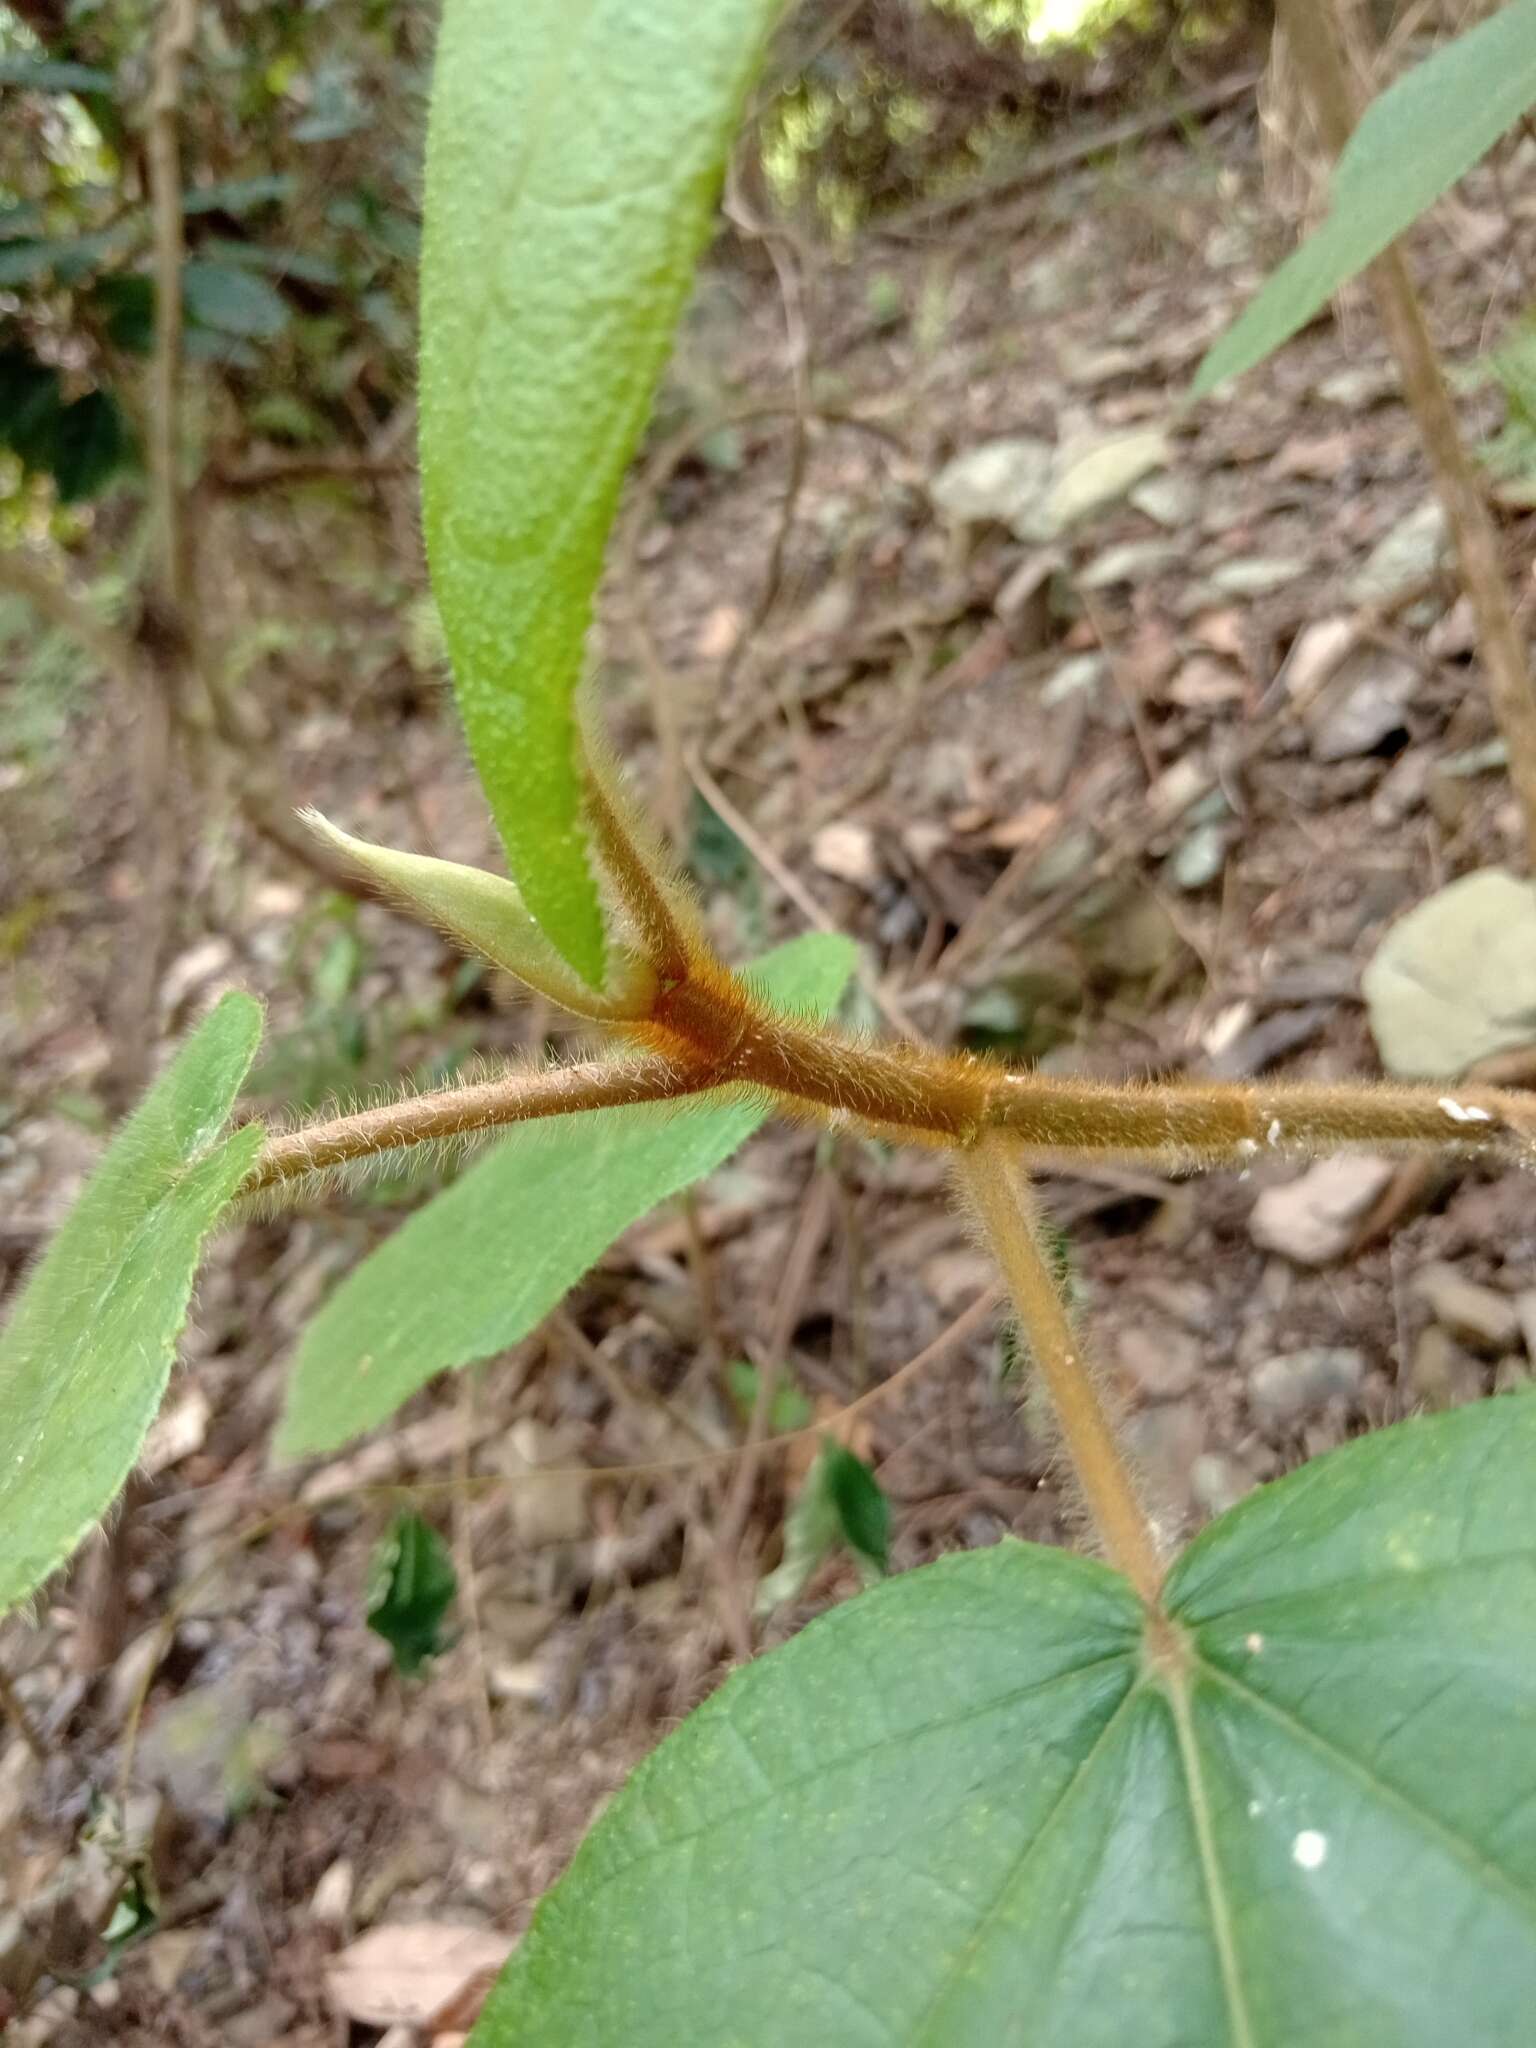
967, 1810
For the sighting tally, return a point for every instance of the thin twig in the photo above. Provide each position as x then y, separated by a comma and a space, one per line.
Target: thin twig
1043, 164
464, 1559
1125, 688
726, 1537
127, 663
173, 45
791, 269
623, 1389
664, 684
1313, 34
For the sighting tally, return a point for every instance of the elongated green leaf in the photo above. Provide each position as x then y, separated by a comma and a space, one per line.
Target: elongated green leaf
240, 195
573, 154
485, 1261
48, 74
1413, 142
66, 257
230, 300
85, 1357
974, 1809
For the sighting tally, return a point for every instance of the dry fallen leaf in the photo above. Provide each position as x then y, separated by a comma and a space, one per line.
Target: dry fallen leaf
1320, 456
409, 1972
1220, 631
1205, 682
848, 852
719, 633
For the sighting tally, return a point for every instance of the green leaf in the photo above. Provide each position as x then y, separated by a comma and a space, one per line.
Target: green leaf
789, 1409
840, 1502
126, 300
485, 1261
1412, 144
229, 299
47, 74
240, 195
30, 403
301, 266
413, 1584
90, 443
69, 258
484, 912
863, 1512
977, 1805
85, 1357
573, 156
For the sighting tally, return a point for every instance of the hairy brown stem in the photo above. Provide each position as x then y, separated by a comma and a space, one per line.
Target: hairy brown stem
1313, 32
460, 1112
707, 1030
1000, 1197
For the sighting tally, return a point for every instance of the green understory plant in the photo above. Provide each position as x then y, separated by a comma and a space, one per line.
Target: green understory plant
1279, 1788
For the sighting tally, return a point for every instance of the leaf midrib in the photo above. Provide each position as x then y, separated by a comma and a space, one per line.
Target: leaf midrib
1177, 1691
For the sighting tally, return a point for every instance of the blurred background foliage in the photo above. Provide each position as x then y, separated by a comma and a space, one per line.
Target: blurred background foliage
301, 151
301, 147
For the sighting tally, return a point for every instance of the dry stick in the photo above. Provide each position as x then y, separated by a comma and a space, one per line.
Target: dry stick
622, 1390
278, 472
128, 665
1125, 686
1312, 31
964, 1326
725, 1539
1005, 1209
165, 629
173, 45
785, 256
464, 1558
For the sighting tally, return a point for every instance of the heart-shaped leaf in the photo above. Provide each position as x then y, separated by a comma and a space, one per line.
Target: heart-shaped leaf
986, 1805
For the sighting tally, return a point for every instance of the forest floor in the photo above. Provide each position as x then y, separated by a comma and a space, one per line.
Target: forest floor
1080, 795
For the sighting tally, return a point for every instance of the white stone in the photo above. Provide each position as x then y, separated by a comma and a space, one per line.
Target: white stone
1313, 1219
1454, 981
